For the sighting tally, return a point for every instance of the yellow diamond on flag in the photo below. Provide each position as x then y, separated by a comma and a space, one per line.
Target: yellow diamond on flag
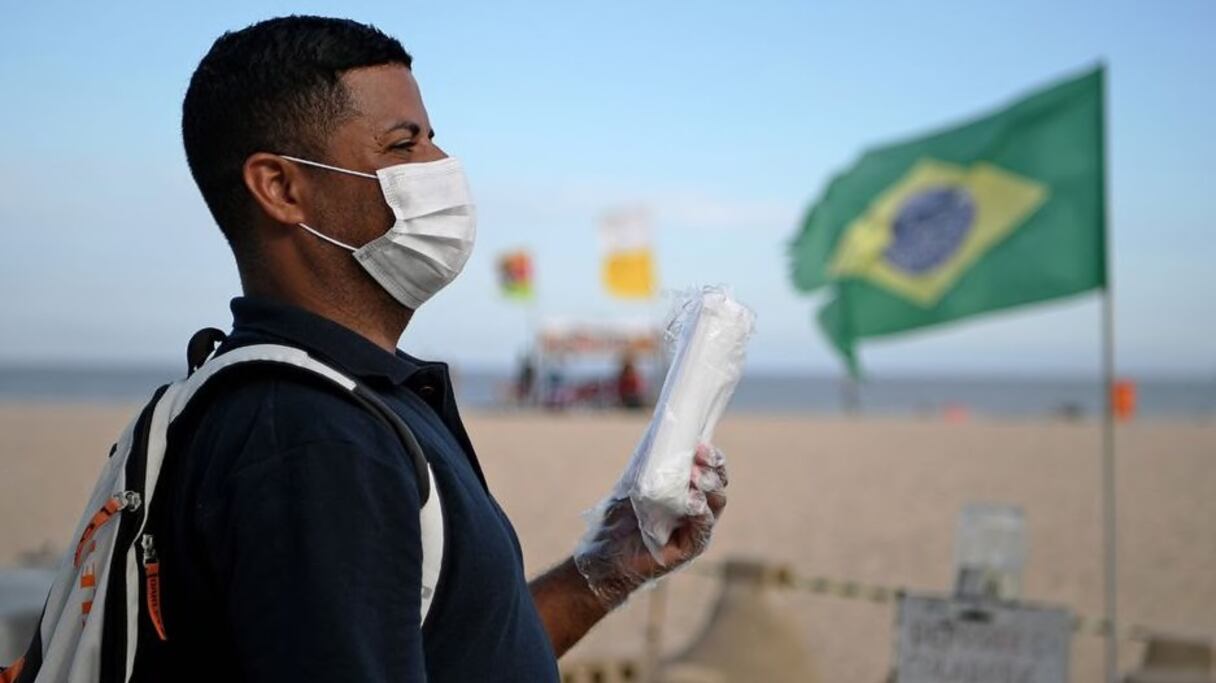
922, 233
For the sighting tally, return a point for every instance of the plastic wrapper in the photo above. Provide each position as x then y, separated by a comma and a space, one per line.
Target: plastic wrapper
666, 481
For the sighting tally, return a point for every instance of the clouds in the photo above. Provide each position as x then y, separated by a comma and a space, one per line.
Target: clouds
678, 208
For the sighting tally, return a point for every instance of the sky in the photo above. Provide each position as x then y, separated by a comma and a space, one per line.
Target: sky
725, 118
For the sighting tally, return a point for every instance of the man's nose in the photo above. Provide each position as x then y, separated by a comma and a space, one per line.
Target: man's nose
429, 151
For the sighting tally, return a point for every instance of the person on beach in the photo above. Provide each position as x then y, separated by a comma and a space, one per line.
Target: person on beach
629, 387
289, 540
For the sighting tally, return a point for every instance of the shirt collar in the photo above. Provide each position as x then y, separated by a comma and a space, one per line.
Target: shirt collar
346, 349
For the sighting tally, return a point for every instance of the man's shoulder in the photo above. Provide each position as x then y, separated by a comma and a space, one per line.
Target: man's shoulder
265, 413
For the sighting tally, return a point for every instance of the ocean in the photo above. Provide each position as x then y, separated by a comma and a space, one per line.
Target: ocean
759, 392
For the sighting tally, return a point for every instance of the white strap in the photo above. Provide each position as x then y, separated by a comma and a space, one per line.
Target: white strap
431, 520
327, 238
327, 167
245, 354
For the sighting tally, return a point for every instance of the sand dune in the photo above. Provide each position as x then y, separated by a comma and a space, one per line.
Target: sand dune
870, 500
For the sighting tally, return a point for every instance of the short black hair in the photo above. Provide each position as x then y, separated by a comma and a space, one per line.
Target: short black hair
271, 87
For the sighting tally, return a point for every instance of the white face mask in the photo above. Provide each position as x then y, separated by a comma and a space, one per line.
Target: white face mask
428, 245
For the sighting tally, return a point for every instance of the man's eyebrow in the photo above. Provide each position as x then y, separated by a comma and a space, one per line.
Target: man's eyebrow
407, 125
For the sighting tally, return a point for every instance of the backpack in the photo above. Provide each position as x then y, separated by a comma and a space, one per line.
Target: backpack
109, 579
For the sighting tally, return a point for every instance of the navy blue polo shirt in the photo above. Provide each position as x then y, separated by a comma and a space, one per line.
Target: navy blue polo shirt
286, 520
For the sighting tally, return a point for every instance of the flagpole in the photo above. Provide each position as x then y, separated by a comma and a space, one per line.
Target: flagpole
1109, 510
533, 351
1108, 487
850, 396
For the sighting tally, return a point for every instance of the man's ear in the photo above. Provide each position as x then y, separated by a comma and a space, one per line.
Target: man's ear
277, 185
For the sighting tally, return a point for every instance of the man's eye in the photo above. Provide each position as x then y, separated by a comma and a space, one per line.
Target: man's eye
405, 145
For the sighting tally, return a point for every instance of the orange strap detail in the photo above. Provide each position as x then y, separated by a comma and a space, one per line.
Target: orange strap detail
152, 571
10, 674
88, 579
105, 514
86, 607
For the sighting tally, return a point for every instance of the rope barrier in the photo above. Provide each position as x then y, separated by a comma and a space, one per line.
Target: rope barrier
783, 577
629, 670
601, 671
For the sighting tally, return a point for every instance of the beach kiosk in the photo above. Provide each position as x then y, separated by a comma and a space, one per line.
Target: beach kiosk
579, 362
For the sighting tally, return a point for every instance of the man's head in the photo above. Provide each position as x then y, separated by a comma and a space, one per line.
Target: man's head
330, 90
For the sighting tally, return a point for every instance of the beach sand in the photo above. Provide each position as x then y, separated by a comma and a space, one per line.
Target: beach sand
873, 500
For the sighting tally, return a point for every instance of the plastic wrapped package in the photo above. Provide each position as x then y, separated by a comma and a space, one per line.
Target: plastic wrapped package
710, 332
666, 480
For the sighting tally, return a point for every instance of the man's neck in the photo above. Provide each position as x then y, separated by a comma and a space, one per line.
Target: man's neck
377, 317
383, 327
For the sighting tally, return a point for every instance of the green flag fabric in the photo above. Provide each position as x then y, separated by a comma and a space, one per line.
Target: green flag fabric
1003, 211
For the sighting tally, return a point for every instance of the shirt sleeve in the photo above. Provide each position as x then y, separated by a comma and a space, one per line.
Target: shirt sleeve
319, 562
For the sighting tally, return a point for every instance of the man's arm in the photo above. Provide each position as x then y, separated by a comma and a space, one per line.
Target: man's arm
613, 561
566, 604
320, 561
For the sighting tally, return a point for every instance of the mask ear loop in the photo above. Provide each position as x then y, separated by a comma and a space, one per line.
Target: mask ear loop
328, 238
327, 167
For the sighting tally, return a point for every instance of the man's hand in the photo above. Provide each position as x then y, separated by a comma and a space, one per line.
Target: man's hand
613, 562
616, 562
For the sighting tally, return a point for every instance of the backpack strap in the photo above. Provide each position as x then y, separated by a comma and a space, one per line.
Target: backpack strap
205, 367
200, 347
102, 647
202, 367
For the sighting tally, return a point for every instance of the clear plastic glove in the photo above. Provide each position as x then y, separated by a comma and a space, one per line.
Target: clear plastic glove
614, 559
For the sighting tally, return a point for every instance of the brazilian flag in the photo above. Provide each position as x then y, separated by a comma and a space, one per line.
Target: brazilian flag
1006, 210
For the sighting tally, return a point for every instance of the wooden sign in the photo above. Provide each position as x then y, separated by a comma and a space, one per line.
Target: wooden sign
947, 640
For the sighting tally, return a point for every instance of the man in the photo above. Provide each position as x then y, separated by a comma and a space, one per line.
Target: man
287, 516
